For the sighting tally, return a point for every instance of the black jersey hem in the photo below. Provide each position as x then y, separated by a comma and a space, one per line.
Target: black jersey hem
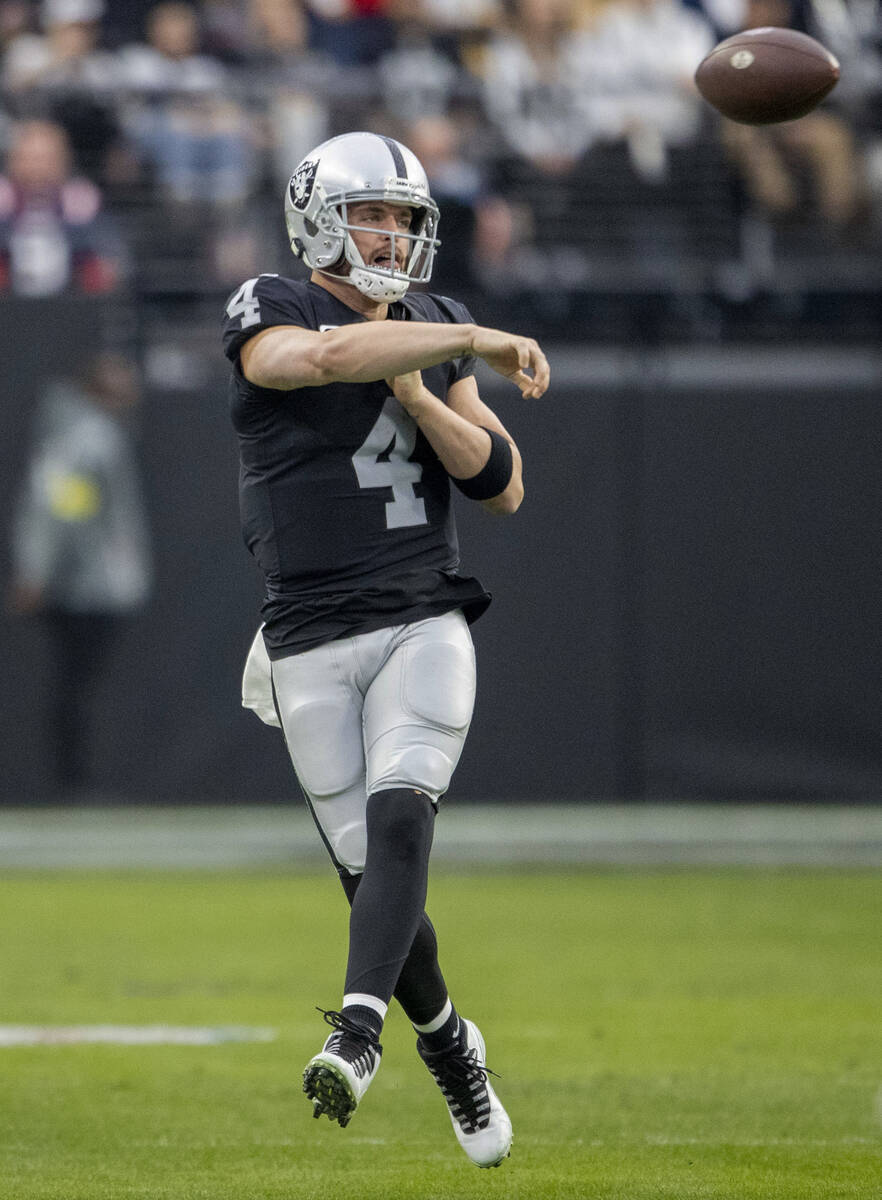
292, 628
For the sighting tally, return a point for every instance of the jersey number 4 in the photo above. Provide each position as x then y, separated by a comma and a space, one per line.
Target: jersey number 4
383, 460
245, 304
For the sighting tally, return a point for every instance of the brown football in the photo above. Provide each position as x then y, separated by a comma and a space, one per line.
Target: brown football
761, 76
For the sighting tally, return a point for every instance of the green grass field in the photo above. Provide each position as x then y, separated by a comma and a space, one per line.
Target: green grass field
683, 1034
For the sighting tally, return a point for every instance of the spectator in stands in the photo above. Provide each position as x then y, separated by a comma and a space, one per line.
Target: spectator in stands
274, 32
461, 16
493, 234
460, 28
18, 39
415, 77
225, 29
184, 116
637, 94
809, 166
283, 86
16, 30
81, 559
66, 75
54, 236
475, 220
354, 33
67, 50
530, 73
293, 80
854, 34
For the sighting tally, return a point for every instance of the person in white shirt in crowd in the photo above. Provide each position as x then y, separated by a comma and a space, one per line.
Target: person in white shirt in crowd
530, 74
638, 62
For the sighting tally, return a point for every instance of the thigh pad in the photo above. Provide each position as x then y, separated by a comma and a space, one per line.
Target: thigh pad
419, 707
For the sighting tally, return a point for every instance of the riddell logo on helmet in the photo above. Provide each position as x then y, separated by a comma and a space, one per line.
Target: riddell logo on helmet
302, 182
397, 184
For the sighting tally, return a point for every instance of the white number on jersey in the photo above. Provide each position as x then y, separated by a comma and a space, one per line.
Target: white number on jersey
383, 460
245, 305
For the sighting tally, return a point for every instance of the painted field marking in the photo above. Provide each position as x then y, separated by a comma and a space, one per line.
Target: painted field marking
130, 1035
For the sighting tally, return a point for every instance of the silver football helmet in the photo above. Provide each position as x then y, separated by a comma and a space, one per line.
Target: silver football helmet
346, 170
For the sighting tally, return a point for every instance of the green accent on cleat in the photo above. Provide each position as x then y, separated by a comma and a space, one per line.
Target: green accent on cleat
330, 1094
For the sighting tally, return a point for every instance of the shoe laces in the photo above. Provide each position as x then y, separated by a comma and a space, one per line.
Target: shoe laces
352, 1041
463, 1081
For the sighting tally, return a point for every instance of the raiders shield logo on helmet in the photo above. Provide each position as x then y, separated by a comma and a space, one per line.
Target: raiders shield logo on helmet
301, 183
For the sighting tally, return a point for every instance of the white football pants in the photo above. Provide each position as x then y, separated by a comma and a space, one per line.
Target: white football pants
388, 709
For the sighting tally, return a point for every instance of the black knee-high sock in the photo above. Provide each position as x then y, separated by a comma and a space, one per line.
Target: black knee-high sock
421, 990
387, 906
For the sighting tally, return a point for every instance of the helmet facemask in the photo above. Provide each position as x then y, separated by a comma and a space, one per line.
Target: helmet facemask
390, 283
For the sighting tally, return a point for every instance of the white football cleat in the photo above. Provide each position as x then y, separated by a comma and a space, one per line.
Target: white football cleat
481, 1124
339, 1075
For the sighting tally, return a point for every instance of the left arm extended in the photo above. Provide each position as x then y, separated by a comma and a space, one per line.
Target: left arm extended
454, 431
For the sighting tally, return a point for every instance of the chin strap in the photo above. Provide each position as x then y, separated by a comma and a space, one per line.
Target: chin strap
375, 287
372, 284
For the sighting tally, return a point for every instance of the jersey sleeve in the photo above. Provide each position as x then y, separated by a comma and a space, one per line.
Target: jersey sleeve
425, 307
258, 304
460, 315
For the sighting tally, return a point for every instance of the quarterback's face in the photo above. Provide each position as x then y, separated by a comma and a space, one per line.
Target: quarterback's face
378, 219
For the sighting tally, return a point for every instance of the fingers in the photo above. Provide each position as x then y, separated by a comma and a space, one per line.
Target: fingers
531, 358
409, 384
504, 351
521, 381
541, 373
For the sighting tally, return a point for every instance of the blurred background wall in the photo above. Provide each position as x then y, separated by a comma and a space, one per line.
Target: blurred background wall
687, 604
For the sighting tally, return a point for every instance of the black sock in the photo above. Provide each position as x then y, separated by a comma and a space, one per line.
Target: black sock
368, 1017
387, 908
421, 990
449, 1034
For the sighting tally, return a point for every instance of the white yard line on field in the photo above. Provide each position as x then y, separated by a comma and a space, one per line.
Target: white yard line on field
130, 1035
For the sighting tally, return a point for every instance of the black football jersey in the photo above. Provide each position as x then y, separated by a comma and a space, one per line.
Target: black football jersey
343, 502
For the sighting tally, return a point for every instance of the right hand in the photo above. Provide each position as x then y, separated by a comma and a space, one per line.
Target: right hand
513, 356
409, 391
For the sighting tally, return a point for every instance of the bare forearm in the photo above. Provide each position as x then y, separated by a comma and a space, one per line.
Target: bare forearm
360, 353
463, 447
380, 349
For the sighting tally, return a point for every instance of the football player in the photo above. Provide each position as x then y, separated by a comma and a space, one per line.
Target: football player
356, 406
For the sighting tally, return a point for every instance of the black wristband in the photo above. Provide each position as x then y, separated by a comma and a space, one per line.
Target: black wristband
495, 475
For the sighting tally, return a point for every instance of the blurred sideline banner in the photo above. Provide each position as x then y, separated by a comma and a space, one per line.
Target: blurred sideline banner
686, 606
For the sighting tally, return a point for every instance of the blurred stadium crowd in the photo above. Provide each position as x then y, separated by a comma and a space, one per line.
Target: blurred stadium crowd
146, 146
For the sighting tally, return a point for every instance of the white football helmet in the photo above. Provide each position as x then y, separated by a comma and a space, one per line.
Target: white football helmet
346, 170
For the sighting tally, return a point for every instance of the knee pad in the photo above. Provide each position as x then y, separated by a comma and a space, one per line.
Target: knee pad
429, 764
399, 824
349, 845
340, 820
419, 765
